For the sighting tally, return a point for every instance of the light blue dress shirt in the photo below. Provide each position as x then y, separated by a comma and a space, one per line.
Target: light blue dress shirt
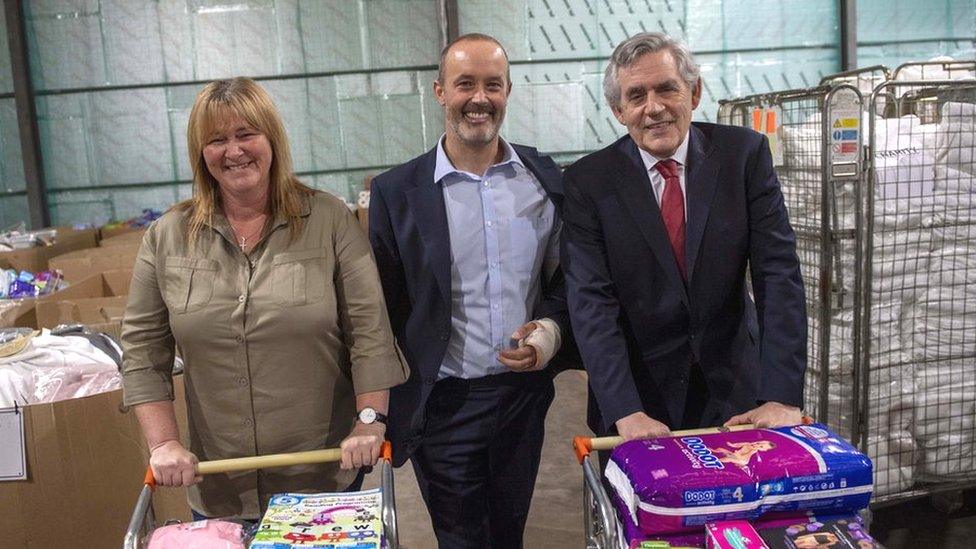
503, 234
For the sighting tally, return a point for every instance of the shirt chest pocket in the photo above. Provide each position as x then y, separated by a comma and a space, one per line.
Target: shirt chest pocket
528, 234
189, 283
300, 277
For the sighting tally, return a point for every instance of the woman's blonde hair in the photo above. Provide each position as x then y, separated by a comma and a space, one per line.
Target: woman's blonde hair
245, 98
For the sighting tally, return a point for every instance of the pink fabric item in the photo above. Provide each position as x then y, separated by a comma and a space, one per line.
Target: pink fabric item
203, 534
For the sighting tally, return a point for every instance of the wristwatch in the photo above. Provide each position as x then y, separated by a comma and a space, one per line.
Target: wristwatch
368, 416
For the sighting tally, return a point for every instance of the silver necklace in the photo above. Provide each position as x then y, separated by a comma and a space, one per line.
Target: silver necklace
244, 239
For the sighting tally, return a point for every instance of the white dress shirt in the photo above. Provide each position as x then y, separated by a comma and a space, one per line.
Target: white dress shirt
657, 180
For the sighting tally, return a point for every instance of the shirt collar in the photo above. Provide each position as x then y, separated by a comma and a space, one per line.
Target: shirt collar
443, 166
220, 220
680, 155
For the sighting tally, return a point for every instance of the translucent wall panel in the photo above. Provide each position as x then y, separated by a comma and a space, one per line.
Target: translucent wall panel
892, 32
6, 77
109, 154
87, 43
11, 163
13, 201
559, 50
13, 210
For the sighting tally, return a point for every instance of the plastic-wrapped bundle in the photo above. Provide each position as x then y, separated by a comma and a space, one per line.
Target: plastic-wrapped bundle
950, 180
677, 484
945, 420
956, 137
205, 534
944, 375
802, 143
955, 266
899, 263
894, 456
53, 368
887, 344
944, 321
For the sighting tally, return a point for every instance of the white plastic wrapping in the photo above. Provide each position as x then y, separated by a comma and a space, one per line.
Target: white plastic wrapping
956, 137
944, 324
54, 368
894, 455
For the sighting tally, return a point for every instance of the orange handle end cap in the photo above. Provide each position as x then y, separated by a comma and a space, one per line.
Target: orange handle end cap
582, 446
150, 480
386, 451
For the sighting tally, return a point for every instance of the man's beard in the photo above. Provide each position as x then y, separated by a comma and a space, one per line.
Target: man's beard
476, 136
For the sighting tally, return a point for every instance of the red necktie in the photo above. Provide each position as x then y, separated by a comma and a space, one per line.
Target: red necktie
673, 211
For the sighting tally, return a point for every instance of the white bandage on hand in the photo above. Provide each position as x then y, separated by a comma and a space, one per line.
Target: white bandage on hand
546, 339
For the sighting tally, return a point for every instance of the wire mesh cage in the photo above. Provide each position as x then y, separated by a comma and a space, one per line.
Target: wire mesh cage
918, 379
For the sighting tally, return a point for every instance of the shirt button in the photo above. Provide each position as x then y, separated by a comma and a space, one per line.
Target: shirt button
241, 298
494, 264
242, 381
248, 422
494, 305
487, 223
486, 183
240, 338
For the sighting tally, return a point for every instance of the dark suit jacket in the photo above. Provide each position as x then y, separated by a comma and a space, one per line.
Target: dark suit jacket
409, 233
638, 326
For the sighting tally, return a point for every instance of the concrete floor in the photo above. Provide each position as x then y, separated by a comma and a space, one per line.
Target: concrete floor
556, 517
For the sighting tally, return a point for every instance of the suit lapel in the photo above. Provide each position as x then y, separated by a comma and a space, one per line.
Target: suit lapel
700, 183
426, 201
637, 196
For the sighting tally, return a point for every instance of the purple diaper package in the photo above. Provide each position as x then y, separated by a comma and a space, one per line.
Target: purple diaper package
678, 484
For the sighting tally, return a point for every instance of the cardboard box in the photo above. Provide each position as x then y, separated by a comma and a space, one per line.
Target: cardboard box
97, 299
109, 232
80, 264
85, 465
86, 459
18, 313
36, 259
131, 238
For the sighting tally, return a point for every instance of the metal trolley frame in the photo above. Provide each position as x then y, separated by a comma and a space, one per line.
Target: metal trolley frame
143, 520
944, 405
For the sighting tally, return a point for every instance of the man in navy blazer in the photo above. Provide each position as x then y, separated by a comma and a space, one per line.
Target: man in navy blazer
659, 231
466, 240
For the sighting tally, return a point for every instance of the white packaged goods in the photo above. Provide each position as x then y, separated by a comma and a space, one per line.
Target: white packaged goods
887, 344
950, 180
944, 375
894, 455
53, 368
945, 423
944, 324
956, 137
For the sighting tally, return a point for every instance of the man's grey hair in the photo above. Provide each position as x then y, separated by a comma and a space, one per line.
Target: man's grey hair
630, 50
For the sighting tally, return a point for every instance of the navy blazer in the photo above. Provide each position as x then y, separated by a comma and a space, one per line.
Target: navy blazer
411, 242
638, 325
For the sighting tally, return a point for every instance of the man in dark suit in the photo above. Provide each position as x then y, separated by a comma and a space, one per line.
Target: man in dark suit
466, 240
659, 230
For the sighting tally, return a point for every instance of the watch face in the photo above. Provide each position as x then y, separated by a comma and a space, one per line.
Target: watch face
367, 415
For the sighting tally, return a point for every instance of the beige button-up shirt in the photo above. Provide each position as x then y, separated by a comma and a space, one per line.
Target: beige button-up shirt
276, 345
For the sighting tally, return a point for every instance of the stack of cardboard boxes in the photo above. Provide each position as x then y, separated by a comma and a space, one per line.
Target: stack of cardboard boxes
86, 457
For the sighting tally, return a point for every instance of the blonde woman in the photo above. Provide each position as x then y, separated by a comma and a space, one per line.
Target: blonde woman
269, 291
